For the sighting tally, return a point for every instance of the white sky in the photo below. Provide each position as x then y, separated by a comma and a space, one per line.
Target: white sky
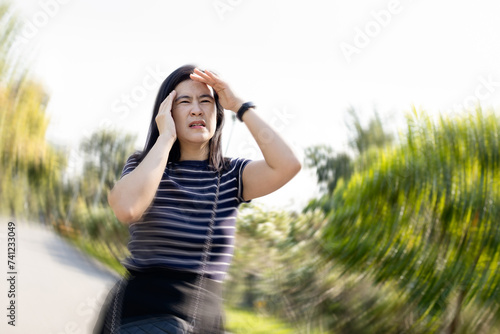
286, 56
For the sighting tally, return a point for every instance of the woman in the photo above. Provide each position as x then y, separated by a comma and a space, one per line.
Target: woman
180, 199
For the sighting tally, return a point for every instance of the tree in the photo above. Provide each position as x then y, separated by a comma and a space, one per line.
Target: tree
105, 153
31, 168
373, 135
424, 215
277, 269
331, 167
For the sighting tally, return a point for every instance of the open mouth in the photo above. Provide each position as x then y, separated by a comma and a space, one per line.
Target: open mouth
197, 124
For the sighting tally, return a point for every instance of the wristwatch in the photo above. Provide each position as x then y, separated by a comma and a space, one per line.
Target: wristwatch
244, 107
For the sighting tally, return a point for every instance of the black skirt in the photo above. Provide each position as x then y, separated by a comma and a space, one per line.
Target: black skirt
164, 292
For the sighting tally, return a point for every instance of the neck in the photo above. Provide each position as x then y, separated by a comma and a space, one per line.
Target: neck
191, 152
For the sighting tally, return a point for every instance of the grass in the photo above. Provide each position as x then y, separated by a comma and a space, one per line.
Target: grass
247, 322
100, 252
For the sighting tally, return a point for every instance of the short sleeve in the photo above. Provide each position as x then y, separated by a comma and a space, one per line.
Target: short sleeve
238, 165
129, 165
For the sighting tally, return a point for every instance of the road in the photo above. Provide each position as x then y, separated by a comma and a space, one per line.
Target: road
58, 289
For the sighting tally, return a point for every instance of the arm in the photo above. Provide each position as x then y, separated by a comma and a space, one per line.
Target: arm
280, 164
133, 193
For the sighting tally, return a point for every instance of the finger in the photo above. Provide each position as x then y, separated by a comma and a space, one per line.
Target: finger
172, 96
202, 74
197, 78
211, 75
168, 102
168, 98
217, 83
208, 81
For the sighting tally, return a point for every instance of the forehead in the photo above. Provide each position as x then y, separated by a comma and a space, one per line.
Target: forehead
190, 87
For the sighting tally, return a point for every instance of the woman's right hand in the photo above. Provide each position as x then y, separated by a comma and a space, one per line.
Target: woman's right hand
132, 195
164, 120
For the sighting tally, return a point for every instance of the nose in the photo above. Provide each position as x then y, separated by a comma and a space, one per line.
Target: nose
197, 110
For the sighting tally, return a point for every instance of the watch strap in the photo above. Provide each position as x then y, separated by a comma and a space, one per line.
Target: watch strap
244, 107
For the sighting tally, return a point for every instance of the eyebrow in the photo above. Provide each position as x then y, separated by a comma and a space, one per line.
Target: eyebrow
189, 97
207, 95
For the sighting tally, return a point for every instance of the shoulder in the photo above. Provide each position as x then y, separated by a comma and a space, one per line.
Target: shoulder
236, 165
131, 163
133, 158
235, 172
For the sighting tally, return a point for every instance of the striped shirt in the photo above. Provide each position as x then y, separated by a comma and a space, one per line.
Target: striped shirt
172, 231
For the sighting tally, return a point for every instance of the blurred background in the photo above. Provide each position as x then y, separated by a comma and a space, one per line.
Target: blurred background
391, 226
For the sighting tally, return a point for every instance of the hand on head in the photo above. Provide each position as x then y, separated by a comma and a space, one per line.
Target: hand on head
164, 119
227, 98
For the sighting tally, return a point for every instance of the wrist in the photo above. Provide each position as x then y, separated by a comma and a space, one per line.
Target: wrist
243, 109
168, 139
237, 106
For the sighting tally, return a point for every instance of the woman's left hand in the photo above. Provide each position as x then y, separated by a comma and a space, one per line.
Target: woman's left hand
226, 96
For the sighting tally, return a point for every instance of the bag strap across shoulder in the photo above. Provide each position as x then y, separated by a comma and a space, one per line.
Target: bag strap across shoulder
206, 250
116, 316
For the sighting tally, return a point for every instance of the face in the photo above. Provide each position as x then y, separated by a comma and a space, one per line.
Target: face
194, 112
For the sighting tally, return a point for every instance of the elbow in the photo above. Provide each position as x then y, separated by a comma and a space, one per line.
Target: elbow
298, 166
295, 166
125, 217
124, 213
291, 168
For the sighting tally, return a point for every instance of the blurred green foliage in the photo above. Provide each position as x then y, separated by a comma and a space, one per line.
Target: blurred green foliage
424, 216
245, 322
331, 167
30, 182
36, 182
278, 268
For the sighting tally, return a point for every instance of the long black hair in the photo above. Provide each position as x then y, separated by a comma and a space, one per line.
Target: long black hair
215, 158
